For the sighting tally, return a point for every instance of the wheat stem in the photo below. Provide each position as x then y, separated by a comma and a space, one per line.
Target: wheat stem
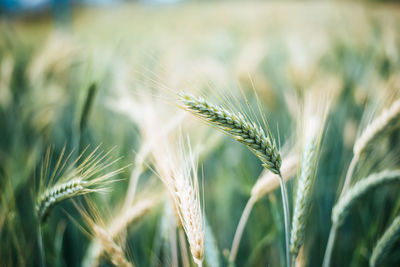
184, 251
240, 228
286, 214
41, 247
349, 175
329, 246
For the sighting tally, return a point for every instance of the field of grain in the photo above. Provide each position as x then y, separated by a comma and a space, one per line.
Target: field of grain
201, 134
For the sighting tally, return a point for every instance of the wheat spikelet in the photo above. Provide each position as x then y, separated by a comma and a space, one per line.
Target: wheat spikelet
385, 243
236, 126
73, 181
378, 127
359, 189
56, 194
270, 181
303, 196
178, 172
313, 125
115, 252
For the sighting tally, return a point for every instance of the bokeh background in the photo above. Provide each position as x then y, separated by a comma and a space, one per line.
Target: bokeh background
135, 54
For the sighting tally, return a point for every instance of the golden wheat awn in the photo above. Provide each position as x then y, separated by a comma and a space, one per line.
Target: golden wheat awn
115, 252
385, 243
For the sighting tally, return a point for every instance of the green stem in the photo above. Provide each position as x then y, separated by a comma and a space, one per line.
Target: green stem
240, 228
329, 246
41, 248
286, 214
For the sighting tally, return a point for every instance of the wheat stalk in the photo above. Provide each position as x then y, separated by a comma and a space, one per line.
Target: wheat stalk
240, 129
385, 243
115, 252
267, 182
342, 207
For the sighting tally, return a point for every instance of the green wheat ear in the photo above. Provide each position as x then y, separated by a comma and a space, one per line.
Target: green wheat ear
359, 189
235, 125
73, 179
385, 243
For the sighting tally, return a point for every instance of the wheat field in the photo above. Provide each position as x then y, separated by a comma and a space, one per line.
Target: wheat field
201, 134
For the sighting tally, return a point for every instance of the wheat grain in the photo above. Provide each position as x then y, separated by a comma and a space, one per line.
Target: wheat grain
385, 243
362, 187
56, 194
236, 126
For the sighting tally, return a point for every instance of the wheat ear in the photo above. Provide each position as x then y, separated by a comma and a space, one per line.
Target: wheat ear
115, 252
74, 181
385, 243
178, 171
303, 195
240, 129
345, 202
383, 124
342, 207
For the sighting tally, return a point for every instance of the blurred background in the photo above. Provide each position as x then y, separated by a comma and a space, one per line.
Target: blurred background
134, 54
